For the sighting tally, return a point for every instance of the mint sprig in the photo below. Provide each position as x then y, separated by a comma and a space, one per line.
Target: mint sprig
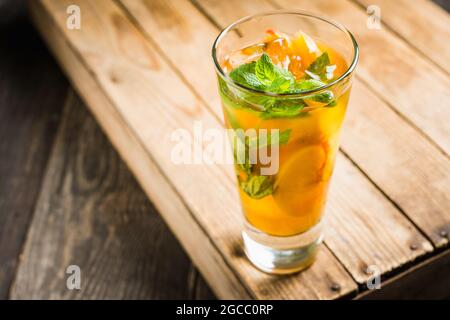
265, 70
306, 85
257, 187
255, 142
264, 75
325, 97
288, 108
254, 185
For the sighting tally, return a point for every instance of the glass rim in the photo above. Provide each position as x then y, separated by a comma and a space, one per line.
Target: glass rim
229, 80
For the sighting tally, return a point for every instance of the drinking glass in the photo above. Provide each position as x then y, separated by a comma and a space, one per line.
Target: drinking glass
284, 209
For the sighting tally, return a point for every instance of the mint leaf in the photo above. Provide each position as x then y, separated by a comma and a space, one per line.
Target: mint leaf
280, 85
252, 80
244, 68
333, 103
245, 75
263, 75
265, 70
284, 109
283, 138
257, 187
318, 67
306, 85
241, 155
323, 97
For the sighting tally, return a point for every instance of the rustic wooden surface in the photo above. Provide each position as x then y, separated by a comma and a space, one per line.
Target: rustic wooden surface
345, 204
92, 213
27, 131
41, 151
368, 131
101, 219
213, 242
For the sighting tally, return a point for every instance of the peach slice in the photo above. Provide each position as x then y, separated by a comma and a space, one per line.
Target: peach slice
306, 48
300, 189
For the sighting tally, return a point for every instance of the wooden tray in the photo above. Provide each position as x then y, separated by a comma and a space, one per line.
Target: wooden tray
144, 68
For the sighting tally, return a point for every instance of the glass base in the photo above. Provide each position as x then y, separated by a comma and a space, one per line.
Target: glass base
281, 255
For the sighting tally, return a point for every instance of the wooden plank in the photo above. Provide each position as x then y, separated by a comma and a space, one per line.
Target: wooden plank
177, 25
364, 229
133, 152
431, 215
421, 23
392, 153
358, 212
427, 280
408, 169
132, 96
92, 213
29, 116
347, 206
410, 84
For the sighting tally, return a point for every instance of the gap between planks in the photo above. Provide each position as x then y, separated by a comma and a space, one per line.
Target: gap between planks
86, 212
421, 20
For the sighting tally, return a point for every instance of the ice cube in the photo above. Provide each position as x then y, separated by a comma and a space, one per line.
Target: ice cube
246, 55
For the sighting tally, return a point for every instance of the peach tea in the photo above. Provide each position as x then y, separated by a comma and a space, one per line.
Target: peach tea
295, 84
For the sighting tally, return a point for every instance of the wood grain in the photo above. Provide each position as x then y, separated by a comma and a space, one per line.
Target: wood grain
406, 81
91, 213
174, 27
358, 212
435, 269
410, 170
410, 84
346, 208
133, 87
136, 156
29, 115
421, 23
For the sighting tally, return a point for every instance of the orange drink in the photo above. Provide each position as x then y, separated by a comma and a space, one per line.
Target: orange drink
284, 80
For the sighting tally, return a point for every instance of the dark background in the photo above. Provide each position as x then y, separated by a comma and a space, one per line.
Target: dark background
43, 126
47, 139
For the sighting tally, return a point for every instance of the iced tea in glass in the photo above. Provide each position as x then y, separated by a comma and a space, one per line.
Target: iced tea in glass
288, 76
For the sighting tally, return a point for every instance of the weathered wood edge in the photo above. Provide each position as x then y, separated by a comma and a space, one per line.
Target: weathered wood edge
356, 270
427, 280
211, 17
88, 207
169, 202
29, 118
347, 286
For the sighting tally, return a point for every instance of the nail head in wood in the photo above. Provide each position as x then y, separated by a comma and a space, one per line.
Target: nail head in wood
335, 287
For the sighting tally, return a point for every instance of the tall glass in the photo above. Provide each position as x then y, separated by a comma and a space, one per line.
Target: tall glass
284, 209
